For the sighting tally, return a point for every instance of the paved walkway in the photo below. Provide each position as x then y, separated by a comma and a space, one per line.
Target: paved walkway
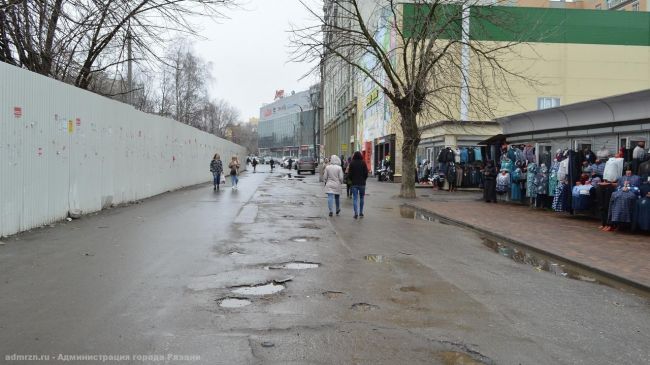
621, 255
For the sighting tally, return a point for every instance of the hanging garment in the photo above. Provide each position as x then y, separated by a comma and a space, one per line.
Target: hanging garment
541, 181
464, 155
459, 175
613, 169
451, 174
552, 178
456, 155
598, 168
503, 183
621, 206
644, 170
581, 197
531, 188
506, 164
633, 180
644, 189
477, 154
529, 153
560, 200
563, 169
641, 219
603, 154
515, 187
603, 195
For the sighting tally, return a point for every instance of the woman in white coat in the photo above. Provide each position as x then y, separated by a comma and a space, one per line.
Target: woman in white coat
333, 177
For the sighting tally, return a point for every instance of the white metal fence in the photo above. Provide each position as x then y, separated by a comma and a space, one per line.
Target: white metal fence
64, 148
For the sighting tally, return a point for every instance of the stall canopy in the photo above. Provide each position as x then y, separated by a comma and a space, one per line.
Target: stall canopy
610, 110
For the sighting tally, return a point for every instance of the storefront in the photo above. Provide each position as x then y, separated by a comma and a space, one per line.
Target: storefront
466, 156
585, 158
384, 147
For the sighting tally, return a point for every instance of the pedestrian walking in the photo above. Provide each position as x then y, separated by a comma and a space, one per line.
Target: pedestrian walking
216, 168
254, 164
272, 163
333, 177
490, 175
321, 169
234, 171
358, 174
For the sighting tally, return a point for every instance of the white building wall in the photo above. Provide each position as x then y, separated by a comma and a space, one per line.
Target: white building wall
64, 148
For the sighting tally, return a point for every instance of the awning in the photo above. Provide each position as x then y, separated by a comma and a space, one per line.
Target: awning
492, 140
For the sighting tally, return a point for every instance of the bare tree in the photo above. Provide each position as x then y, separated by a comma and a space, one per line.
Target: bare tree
426, 74
75, 40
217, 116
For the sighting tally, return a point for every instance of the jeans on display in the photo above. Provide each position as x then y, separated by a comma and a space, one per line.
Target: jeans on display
358, 192
331, 198
234, 180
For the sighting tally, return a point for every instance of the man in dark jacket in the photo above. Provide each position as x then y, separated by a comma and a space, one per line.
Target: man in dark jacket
358, 173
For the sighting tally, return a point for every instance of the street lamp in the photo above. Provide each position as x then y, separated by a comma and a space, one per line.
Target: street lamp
294, 132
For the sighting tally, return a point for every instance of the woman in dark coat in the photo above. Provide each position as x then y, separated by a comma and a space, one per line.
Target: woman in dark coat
357, 174
490, 174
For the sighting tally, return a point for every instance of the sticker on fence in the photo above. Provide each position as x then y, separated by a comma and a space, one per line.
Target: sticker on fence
18, 112
70, 126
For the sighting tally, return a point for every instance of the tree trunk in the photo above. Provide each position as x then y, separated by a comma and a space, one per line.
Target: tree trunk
411, 140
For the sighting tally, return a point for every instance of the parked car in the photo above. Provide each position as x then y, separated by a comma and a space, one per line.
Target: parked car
306, 164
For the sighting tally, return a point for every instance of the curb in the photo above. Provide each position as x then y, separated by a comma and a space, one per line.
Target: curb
620, 279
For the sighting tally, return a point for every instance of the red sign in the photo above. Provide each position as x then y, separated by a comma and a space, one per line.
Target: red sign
18, 112
78, 122
279, 94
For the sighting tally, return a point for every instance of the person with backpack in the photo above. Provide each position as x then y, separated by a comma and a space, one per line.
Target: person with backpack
234, 171
333, 177
348, 182
358, 174
216, 168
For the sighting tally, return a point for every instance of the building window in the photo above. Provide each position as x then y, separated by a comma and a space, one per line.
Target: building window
546, 102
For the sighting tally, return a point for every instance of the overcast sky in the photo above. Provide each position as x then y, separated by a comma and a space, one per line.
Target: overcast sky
249, 54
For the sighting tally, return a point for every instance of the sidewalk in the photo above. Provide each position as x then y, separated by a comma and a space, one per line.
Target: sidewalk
621, 256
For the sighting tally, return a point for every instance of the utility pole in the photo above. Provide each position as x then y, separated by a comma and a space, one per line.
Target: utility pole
294, 133
129, 77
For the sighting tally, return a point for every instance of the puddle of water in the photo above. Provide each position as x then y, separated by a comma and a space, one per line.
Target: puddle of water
457, 358
297, 265
332, 294
234, 302
540, 262
376, 258
364, 307
235, 253
263, 289
304, 239
407, 212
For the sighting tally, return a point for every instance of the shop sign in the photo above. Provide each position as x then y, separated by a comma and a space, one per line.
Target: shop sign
344, 147
372, 97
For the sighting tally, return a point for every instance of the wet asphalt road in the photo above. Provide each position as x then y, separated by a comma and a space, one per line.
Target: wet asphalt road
147, 279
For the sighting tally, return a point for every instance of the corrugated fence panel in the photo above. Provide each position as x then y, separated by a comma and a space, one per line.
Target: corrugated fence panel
64, 148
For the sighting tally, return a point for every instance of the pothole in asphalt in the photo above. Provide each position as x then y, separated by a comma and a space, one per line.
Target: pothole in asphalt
376, 258
409, 212
304, 239
295, 265
540, 262
233, 302
364, 307
457, 358
261, 289
310, 226
332, 294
